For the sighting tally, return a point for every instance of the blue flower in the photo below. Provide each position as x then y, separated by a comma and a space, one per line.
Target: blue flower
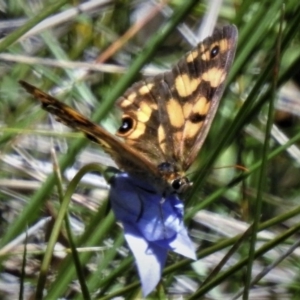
152, 226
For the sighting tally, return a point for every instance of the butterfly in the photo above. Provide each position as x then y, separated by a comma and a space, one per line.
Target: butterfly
165, 118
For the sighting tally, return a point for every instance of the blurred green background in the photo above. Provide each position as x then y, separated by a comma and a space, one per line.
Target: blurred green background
240, 177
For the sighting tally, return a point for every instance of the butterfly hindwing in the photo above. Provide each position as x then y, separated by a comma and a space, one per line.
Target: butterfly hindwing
120, 152
140, 110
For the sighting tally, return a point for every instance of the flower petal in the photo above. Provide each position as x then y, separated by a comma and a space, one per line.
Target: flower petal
150, 259
135, 202
152, 224
183, 245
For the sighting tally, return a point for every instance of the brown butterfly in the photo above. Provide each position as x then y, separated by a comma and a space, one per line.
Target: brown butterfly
165, 118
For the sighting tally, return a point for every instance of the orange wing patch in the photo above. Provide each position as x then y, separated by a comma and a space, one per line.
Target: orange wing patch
186, 85
215, 76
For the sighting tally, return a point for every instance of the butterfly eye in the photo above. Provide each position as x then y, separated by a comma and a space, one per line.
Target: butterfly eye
214, 51
176, 184
127, 125
181, 184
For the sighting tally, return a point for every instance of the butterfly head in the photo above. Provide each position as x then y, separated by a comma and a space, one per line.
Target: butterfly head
176, 179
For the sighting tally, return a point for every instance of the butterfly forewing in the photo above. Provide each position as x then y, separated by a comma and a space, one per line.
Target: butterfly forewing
171, 113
